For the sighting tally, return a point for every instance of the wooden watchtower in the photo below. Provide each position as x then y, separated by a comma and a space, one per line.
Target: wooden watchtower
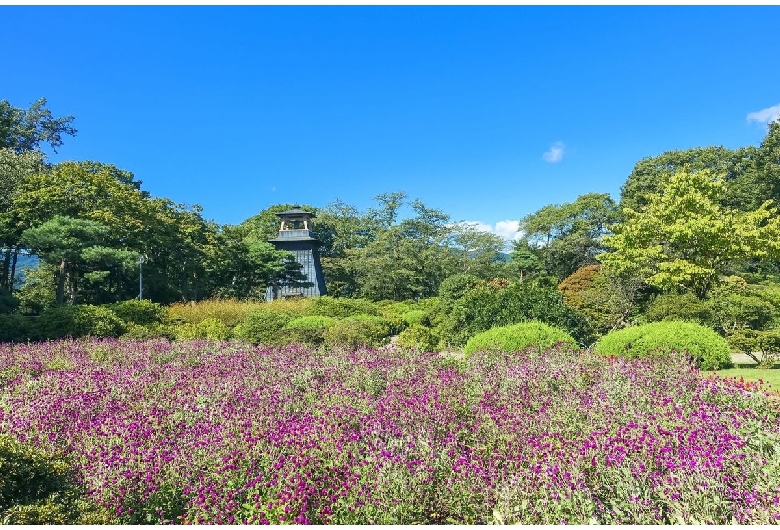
295, 236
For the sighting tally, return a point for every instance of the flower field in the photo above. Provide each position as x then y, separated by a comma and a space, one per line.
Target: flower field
206, 432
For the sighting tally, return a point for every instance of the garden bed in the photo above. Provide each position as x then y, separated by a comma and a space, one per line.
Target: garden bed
206, 432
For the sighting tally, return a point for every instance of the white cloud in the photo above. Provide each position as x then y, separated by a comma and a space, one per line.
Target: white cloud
508, 230
555, 153
765, 115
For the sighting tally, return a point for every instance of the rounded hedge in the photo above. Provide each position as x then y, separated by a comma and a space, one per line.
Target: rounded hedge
79, 321
518, 337
415, 316
140, 312
309, 330
310, 322
262, 325
359, 331
708, 349
419, 337
16, 328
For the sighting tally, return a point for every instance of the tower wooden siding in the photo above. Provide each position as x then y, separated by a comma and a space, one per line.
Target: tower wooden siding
295, 236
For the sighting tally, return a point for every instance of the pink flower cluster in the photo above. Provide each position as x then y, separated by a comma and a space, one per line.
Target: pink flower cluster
205, 432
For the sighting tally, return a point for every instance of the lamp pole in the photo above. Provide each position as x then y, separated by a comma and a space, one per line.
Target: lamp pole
141, 259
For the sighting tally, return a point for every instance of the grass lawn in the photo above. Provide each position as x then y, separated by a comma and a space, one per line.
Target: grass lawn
770, 376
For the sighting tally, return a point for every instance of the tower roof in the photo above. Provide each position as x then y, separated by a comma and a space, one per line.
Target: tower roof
296, 210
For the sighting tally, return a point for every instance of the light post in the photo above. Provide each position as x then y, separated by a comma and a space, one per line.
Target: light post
141, 260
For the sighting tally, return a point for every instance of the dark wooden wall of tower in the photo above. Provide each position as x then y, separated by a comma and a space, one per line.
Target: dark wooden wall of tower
295, 236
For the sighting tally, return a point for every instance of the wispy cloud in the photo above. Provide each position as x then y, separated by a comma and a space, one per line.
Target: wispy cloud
765, 115
555, 153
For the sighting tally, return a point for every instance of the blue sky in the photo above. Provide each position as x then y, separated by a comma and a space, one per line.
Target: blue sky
487, 113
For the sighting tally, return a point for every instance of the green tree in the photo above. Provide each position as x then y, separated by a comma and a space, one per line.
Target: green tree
74, 245
25, 130
650, 175
14, 168
568, 236
407, 260
477, 252
683, 239
242, 267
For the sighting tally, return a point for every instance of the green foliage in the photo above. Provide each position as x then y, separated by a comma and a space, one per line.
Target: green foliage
708, 349
141, 312
25, 130
8, 302
311, 322
79, 321
455, 287
214, 329
517, 337
77, 246
761, 346
139, 332
683, 239
308, 330
566, 237
419, 337
394, 312
341, 307
31, 484
499, 304
358, 331
16, 328
262, 325
415, 316
231, 312
650, 175
734, 311
687, 307
38, 291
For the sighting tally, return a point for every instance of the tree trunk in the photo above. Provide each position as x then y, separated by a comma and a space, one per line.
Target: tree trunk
14, 259
6, 264
61, 275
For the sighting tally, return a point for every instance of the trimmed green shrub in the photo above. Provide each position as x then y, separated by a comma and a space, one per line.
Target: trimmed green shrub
79, 321
341, 307
140, 312
138, 332
393, 312
262, 325
186, 331
415, 316
359, 331
16, 328
214, 329
309, 330
708, 349
34, 486
518, 337
419, 337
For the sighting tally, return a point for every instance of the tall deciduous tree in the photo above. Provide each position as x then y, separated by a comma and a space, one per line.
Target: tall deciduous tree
568, 236
14, 168
25, 130
684, 238
650, 175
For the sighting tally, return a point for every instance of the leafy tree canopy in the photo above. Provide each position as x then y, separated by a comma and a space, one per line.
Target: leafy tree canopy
25, 130
683, 239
